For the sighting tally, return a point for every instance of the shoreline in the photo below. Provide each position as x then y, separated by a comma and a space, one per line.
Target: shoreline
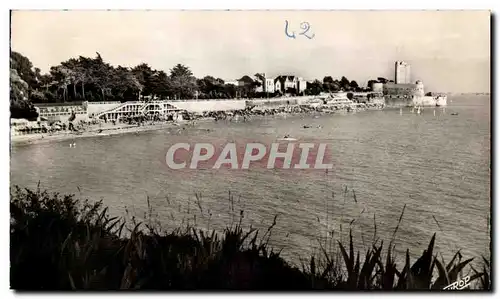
45, 138
41, 138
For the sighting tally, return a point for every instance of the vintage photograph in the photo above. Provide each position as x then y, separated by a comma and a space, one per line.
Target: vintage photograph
250, 150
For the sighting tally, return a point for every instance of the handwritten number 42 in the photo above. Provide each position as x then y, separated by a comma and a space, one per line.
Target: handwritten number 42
305, 28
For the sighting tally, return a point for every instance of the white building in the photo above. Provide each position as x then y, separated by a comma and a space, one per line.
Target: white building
403, 72
301, 85
269, 87
267, 84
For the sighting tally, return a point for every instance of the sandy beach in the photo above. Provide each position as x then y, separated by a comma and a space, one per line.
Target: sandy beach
94, 132
101, 130
110, 129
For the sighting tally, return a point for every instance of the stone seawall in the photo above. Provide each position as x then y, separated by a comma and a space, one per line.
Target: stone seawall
398, 102
225, 105
98, 107
424, 101
279, 101
209, 105
431, 101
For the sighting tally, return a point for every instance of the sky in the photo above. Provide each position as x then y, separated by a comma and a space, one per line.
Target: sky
448, 50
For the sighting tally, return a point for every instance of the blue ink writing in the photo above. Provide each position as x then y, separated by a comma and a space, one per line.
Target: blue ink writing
305, 26
286, 30
305, 29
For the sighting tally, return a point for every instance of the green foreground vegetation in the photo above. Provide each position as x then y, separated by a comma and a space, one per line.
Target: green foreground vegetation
62, 243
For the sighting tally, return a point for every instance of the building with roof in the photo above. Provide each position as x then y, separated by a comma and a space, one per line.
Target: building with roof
61, 111
402, 93
266, 83
301, 85
285, 82
269, 85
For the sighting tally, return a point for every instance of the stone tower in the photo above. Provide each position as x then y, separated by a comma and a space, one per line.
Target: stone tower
402, 71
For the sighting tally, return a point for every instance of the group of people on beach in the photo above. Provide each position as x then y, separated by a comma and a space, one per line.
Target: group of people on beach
97, 125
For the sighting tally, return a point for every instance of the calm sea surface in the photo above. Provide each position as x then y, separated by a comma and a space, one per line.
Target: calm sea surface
437, 165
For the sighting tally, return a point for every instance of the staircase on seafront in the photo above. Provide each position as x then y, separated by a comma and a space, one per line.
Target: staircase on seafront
159, 107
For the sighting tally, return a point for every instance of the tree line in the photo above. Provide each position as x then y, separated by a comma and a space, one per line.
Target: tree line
93, 79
